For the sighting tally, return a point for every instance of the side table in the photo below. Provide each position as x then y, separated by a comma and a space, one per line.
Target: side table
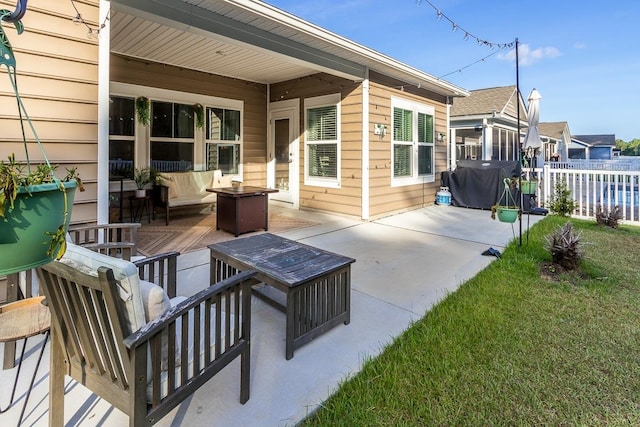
20, 320
138, 206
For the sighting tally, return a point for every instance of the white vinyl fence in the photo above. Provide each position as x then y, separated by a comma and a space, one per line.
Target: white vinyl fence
593, 185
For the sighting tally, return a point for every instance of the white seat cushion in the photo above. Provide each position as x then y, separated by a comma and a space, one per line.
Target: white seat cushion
125, 272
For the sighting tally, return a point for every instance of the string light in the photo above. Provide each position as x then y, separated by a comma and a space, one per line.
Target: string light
91, 31
440, 15
459, 70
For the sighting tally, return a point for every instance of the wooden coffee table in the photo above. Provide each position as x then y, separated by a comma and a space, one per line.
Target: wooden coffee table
310, 285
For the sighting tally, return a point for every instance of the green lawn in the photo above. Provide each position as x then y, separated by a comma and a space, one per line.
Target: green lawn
510, 348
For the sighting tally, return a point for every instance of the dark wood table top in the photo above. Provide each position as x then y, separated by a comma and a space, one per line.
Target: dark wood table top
242, 190
285, 261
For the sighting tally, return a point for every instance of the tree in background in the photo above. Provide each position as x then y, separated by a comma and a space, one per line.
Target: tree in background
631, 148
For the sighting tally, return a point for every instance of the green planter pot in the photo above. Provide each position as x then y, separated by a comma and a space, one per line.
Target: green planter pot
529, 187
38, 210
506, 214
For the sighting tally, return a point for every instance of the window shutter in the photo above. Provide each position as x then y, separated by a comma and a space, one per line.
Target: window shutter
401, 160
323, 160
322, 123
402, 125
425, 128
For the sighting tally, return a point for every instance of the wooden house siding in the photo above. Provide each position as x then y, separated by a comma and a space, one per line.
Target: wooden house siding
133, 71
383, 198
57, 68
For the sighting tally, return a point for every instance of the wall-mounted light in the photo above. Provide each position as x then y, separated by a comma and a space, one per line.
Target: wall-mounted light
440, 137
380, 130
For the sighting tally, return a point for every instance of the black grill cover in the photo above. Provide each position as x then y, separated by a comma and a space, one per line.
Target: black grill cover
479, 183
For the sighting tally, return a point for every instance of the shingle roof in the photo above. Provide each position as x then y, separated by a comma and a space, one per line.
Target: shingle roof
483, 101
593, 140
552, 129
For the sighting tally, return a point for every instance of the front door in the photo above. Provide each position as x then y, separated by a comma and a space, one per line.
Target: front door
283, 155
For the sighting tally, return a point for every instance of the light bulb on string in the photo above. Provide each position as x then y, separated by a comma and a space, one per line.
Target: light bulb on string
77, 19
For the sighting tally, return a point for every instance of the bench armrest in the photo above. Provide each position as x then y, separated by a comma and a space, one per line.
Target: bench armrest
160, 269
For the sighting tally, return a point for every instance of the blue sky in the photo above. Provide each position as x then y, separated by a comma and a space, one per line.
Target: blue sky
583, 56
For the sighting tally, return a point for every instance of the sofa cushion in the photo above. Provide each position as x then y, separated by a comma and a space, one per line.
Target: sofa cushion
203, 180
170, 183
219, 180
155, 300
192, 199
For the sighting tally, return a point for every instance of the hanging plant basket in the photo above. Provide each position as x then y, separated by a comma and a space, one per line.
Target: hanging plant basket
528, 187
506, 209
143, 110
198, 111
35, 206
29, 229
507, 214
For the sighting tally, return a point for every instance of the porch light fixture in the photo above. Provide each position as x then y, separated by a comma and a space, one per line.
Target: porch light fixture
440, 137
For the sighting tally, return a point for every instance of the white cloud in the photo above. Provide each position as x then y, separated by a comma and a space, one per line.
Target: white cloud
527, 56
579, 45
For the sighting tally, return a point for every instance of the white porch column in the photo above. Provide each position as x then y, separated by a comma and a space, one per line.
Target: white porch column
487, 140
104, 48
365, 147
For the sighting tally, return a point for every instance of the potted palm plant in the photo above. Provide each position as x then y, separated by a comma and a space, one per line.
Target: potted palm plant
142, 177
35, 205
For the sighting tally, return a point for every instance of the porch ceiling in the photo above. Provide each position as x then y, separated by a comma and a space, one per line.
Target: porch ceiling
248, 40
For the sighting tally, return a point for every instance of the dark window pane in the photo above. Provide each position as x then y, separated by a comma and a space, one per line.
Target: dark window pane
171, 156
161, 119
121, 116
223, 125
401, 161
183, 121
121, 158
425, 160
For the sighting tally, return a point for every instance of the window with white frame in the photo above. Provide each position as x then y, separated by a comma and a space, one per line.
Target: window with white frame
223, 139
322, 140
412, 153
172, 136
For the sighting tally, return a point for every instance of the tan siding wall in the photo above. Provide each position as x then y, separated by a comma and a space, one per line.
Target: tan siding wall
132, 71
57, 68
346, 199
385, 199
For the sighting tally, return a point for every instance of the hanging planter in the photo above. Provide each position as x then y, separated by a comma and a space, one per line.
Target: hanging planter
143, 110
33, 232
35, 206
528, 187
198, 111
506, 209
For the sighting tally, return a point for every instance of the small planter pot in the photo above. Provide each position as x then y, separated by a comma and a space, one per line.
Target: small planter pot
529, 187
141, 193
26, 230
507, 214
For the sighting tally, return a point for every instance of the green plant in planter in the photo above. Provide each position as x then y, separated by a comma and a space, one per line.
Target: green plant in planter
198, 111
35, 206
506, 209
143, 110
24, 194
142, 177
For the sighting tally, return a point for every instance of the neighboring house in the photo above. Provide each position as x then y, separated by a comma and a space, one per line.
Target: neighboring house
592, 147
556, 139
485, 124
332, 124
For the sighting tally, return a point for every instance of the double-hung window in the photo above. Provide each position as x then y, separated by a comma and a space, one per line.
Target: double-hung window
322, 141
223, 139
412, 152
172, 136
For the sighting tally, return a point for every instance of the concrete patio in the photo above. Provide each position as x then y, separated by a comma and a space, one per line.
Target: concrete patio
405, 264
